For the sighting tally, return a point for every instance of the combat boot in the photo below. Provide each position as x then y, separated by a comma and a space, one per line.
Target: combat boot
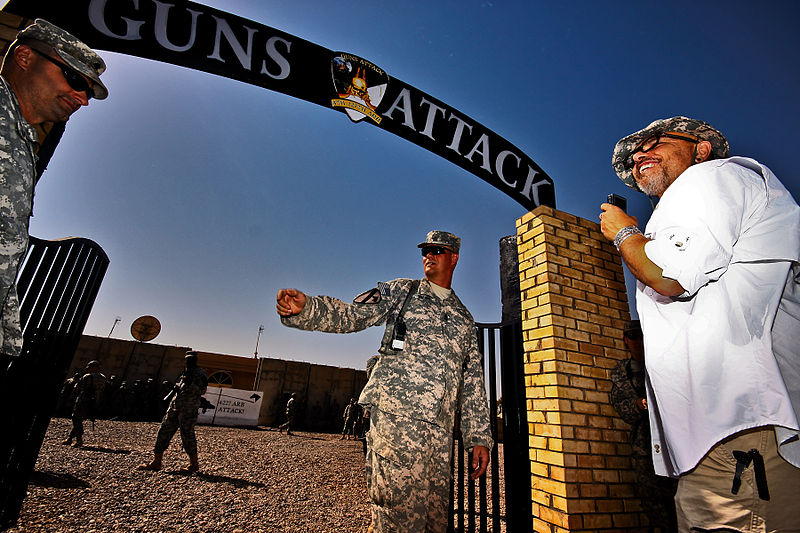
155, 464
67, 442
194, 466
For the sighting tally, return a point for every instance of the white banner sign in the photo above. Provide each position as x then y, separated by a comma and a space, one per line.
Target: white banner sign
232, 407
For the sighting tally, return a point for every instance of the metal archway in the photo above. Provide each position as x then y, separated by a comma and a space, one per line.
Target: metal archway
206, 39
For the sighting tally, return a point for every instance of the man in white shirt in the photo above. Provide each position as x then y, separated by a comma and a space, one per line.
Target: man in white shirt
718, 295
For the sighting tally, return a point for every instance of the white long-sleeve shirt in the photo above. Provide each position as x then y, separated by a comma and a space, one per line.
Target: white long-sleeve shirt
724, 356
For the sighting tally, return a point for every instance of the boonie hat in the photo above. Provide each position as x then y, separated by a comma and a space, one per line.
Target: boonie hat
697, 128
442, 238
71, 50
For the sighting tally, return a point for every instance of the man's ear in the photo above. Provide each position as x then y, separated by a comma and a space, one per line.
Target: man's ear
23, 55
455, 259
703, 151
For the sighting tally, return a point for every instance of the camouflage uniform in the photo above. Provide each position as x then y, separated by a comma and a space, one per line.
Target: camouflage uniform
351, 414
655, 492
88, 390
413, 395
291, 408
182, 411
18, 143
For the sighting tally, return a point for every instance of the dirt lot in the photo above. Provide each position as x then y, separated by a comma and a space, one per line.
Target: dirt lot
251, 481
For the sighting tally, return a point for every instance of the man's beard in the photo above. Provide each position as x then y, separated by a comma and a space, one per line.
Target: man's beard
656, 183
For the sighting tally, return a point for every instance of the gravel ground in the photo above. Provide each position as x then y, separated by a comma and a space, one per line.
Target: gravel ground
251, 480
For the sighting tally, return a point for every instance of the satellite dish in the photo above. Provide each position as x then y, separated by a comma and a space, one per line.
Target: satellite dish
145, 328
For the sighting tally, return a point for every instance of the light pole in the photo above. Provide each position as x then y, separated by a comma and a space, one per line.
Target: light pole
257, 380
116, 321
260, 329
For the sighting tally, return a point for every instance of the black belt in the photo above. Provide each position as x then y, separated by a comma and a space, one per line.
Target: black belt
743, 460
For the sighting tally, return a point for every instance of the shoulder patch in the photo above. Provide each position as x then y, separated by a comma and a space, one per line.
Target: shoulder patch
371, 296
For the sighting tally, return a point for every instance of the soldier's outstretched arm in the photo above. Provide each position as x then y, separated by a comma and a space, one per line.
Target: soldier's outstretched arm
290, 302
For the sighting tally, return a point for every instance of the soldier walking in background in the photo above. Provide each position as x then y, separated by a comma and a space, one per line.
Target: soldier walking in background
66, 398
182, 413
88, 392
351, 414
629, 398
291, 410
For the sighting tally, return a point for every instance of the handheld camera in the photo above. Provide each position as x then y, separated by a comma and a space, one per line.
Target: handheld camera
617, 200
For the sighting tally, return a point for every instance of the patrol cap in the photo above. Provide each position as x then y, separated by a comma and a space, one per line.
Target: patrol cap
191, 353
70, 49
442, 238
702, 130
92, 363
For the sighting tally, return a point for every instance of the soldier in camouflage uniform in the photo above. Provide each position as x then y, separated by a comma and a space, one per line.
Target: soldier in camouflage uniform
428, 368
629, 398
47, 75
182, 413
88, 390
291, 410
351, 413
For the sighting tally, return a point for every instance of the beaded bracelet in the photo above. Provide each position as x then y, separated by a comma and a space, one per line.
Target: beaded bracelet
624, 233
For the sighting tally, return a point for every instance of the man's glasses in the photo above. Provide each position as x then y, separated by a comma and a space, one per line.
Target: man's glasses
75, 80
651, 142
435, 250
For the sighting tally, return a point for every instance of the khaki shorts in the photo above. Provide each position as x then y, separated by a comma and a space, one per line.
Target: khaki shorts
704, 500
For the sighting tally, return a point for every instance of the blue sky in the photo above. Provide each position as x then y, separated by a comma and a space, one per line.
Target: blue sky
209, 194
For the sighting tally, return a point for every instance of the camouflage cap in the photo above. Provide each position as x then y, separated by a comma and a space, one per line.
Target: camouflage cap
442, 238
624, 148
69, 48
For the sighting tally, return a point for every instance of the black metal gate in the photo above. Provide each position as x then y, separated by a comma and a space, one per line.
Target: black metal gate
57, 286
483, 505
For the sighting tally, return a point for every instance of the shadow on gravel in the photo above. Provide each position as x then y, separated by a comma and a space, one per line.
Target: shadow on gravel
214, 478
105, 450
57, 481
306, 437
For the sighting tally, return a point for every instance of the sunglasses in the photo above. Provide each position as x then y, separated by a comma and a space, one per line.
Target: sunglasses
74, 80
651, 142
435, 250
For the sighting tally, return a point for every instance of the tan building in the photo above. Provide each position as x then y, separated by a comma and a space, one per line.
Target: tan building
323, 390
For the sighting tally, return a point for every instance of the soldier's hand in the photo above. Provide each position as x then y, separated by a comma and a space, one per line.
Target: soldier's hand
290, 302
480, 460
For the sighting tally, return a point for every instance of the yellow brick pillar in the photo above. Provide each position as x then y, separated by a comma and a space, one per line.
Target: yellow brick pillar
574, 306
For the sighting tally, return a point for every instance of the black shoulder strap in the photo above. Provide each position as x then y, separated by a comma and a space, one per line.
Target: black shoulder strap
413, 289
411, 292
